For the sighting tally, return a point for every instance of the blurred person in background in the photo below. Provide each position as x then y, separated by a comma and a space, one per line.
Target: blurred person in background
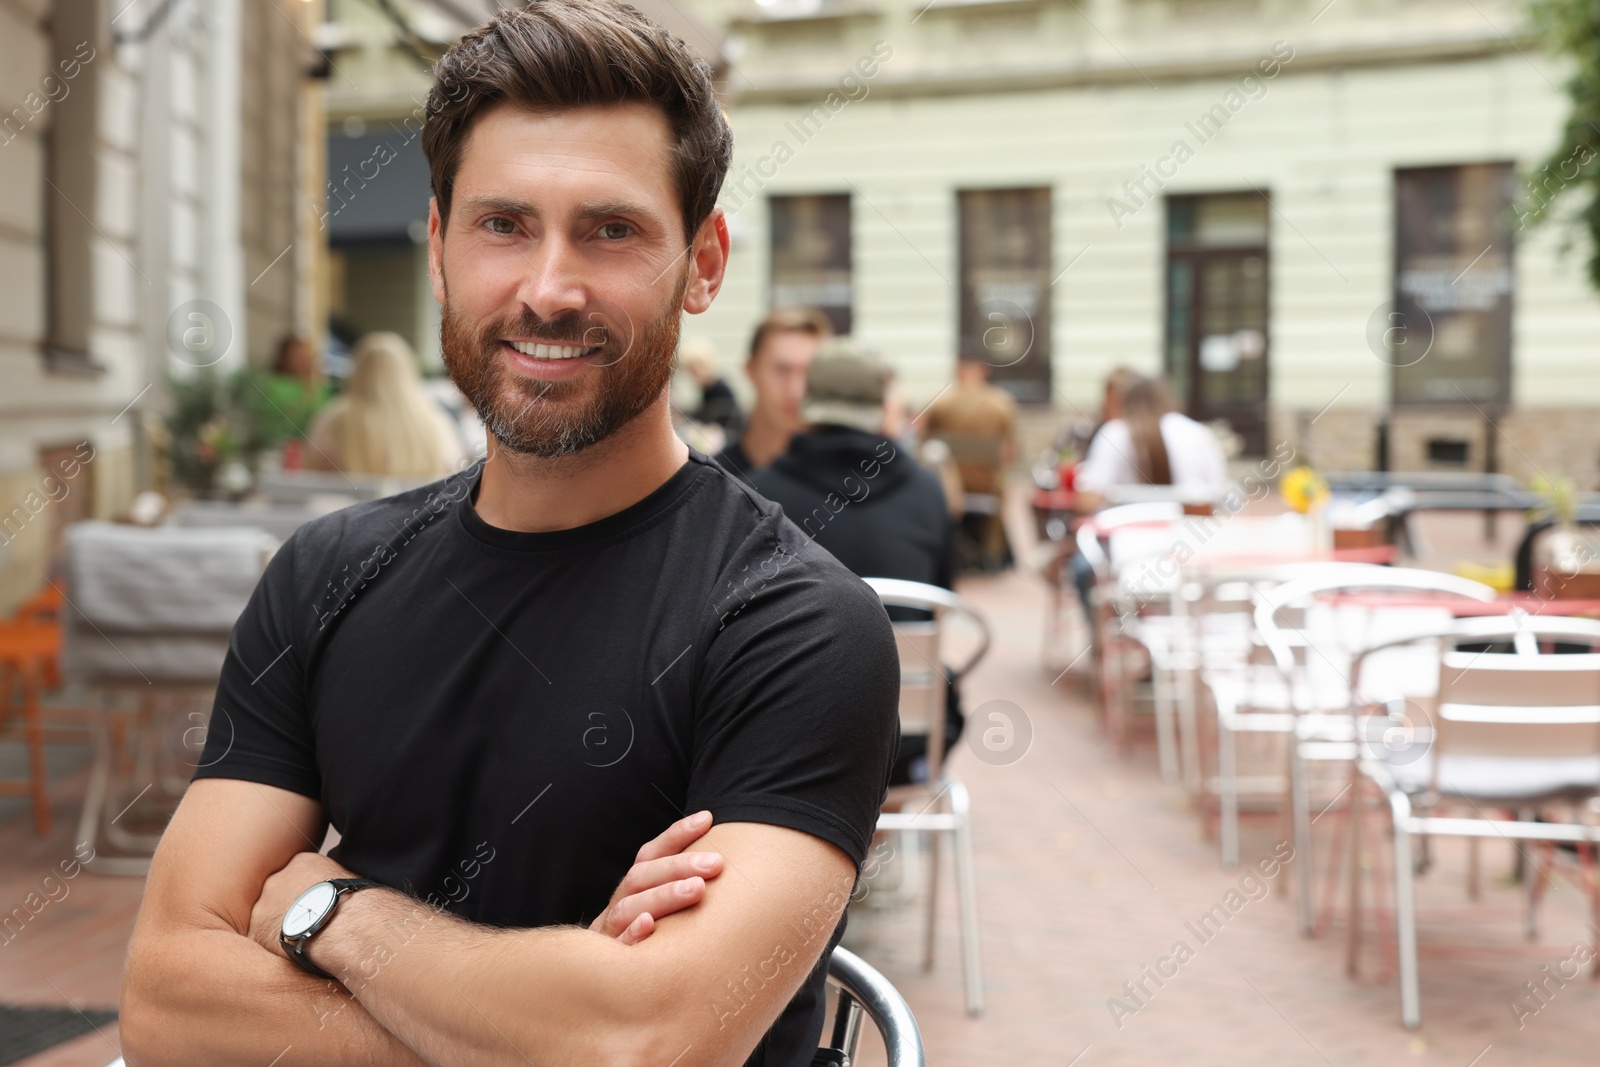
978, 421
295, 390
864, 498
718, 406
1150, 442
384, 423
781, 350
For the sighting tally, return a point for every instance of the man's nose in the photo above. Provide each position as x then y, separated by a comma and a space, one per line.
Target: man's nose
554, 283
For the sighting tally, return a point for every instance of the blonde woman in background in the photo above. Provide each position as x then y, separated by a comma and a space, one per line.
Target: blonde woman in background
384, 423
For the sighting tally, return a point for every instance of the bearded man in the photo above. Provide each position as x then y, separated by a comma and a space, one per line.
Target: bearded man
602, 734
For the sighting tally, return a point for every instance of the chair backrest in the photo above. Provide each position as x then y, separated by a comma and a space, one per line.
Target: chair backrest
1515, 704
864, 991
1351, 578
924, 674
923, 690
1521, 705
1103, 524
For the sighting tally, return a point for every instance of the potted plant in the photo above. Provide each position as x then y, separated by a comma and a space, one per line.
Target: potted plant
215, 433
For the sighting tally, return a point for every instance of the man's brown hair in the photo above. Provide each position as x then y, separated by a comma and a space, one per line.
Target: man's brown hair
784, 320
552, 55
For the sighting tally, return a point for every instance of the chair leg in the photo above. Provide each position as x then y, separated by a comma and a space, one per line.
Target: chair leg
1300, 804
967, 899
1227, 789
931, 837
1405, 913
1187, 682
1537, 878
1352, 957
1474, 871
1166, 728
33, 717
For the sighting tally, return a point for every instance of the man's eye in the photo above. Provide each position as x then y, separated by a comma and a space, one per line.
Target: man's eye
502, 226
615, 231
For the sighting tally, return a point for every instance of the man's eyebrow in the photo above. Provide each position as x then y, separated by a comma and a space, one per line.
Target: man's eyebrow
508, 205
608, 208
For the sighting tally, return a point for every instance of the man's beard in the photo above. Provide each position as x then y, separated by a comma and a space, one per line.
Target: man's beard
548, 419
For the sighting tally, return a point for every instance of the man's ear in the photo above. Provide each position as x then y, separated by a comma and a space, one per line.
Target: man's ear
436, 251
708, 262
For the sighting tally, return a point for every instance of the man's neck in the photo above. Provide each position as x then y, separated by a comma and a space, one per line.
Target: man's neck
527, 494
763, 440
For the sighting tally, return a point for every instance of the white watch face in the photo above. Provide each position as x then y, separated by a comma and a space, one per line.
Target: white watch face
309, 907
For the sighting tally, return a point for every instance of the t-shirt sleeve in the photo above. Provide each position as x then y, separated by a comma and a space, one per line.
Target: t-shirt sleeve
797, 709
260, 729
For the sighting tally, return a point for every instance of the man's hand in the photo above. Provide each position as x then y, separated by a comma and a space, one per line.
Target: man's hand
663, 879
304, 870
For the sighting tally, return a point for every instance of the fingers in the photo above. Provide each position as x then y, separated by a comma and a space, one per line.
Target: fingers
675, 838
652, 873
622, 917
638, 930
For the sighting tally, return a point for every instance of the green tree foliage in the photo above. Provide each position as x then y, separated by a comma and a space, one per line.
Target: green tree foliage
1570, 29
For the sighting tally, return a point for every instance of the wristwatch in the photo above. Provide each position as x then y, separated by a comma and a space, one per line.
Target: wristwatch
309, 913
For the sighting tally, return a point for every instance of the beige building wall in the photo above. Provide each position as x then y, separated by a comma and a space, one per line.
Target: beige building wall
144, 205
978, 96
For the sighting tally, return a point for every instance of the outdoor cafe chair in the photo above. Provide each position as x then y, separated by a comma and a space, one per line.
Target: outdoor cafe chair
939, 805
146, 619
1205, 624
1514, 737
861, 992
1112, 543
1302, 692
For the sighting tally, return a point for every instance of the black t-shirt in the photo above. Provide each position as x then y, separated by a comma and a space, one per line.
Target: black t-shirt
497, 721
735, 462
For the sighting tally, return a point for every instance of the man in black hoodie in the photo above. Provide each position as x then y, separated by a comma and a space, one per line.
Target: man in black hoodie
864, 498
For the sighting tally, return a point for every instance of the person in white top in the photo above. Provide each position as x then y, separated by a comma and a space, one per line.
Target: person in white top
1151, 443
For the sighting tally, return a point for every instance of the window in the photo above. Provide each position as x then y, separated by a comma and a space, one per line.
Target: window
811, 255
1453, 285
1217, 310
1005, 287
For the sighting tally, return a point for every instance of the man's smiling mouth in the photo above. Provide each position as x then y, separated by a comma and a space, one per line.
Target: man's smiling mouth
537, 350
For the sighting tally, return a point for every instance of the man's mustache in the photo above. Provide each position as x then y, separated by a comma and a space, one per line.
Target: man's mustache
566, 328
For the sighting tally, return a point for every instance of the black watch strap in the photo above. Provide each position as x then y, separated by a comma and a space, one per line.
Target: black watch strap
296, 947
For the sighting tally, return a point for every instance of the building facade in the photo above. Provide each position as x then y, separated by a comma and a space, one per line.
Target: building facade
1304, 213
151, 153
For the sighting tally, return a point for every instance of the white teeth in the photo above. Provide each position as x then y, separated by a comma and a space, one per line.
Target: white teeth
538, 351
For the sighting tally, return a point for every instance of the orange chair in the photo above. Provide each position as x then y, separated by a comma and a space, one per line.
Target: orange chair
30, 650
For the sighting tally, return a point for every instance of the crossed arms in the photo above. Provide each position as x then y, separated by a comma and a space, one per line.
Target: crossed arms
207, 984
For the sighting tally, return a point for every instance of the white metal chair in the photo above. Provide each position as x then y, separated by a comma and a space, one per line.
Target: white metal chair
1114, 542
1515, 732
1315, 661
862, 990
940, 805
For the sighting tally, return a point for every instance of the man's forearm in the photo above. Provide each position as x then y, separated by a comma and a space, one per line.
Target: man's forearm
456, 992
213, 998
